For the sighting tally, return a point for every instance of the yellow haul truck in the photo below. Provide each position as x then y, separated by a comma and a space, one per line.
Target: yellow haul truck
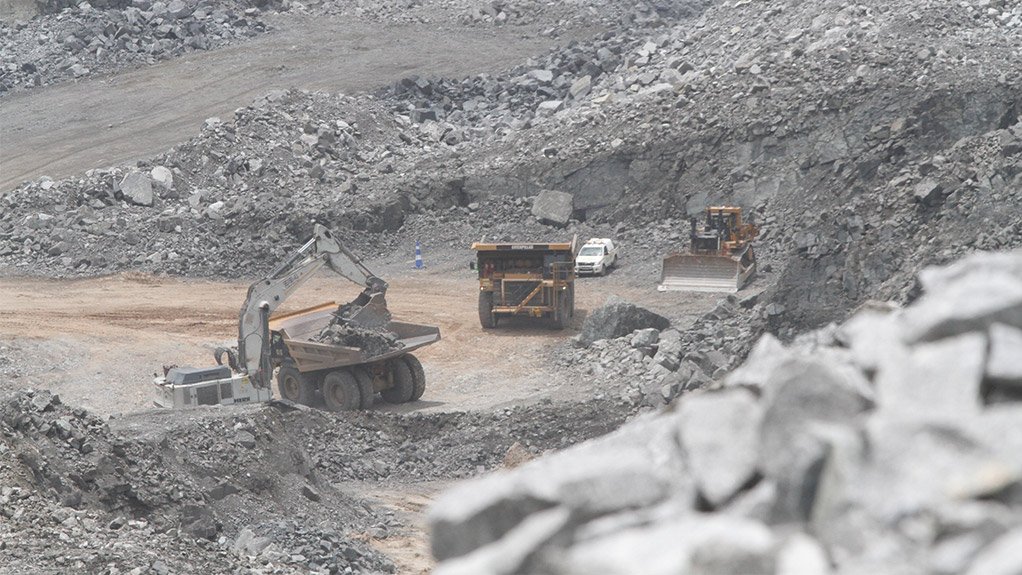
527, 279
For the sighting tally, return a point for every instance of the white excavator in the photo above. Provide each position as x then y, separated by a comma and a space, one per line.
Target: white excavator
338, 374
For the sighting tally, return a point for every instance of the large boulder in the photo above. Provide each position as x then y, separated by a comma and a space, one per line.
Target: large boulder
618, 318
162, 177
137, 187
1004, 365
969, 295
630, 468
554, 208
719, 433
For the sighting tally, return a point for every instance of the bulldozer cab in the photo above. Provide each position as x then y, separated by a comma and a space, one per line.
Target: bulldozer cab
719, 231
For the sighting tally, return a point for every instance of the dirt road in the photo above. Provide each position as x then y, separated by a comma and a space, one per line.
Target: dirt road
66, 129
98, 342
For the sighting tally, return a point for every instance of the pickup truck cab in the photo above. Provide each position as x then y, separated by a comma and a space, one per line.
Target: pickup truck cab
596, 257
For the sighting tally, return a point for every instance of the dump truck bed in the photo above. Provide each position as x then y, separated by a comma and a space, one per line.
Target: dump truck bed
296, 328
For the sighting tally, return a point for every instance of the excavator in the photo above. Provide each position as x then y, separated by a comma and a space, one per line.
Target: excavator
310, 371
720, 256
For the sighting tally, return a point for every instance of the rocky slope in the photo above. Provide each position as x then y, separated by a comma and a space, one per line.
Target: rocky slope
890, 443
70, 41
800, 113
257, 490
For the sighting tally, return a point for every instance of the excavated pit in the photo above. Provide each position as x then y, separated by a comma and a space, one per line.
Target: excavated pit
867, 141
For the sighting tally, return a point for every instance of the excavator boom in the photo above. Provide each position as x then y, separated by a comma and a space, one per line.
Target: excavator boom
266, 295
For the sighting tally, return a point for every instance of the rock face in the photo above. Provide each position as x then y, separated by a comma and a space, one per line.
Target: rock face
617, 318
807, 459
554, 208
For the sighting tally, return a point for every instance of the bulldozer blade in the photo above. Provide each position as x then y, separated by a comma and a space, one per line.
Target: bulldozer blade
703, 273
371, 314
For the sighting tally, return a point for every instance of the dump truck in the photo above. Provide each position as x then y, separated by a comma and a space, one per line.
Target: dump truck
720, 256
530, 279
340, 356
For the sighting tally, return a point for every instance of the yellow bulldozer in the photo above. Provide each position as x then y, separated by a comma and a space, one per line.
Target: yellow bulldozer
720, 256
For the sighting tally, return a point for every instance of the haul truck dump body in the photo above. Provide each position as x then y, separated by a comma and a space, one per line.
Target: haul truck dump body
295, 330
526, 279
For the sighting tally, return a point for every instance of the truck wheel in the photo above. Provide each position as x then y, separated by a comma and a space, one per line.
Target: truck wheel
402, 385
365, 387
487, 319
418, 376
293, 386
341, 392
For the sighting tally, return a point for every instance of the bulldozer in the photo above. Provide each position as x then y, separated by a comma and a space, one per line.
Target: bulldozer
720, 256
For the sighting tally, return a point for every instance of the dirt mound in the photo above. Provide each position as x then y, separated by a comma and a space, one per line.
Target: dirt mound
182, 494
216, 490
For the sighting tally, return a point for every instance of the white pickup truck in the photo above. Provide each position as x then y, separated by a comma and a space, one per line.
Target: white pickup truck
596, 257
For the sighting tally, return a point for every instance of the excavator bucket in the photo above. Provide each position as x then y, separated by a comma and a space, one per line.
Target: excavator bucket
368, 311
705, 273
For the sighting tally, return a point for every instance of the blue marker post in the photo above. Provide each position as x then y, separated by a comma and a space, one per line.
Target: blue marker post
418, 255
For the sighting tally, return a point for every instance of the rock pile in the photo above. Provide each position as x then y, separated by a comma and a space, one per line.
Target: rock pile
890, 443
252, 489
373, 341
255, 184
78, 495
553, 19
374, 445
648, 363
617, 318
84, 40
71, 40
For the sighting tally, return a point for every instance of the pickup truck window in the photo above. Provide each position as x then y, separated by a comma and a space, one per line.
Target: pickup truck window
591, 251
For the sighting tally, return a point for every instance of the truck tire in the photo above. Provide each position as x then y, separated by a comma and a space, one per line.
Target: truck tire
293, 386
341, 391
365, 387
487, 319
418, 376
402, 385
